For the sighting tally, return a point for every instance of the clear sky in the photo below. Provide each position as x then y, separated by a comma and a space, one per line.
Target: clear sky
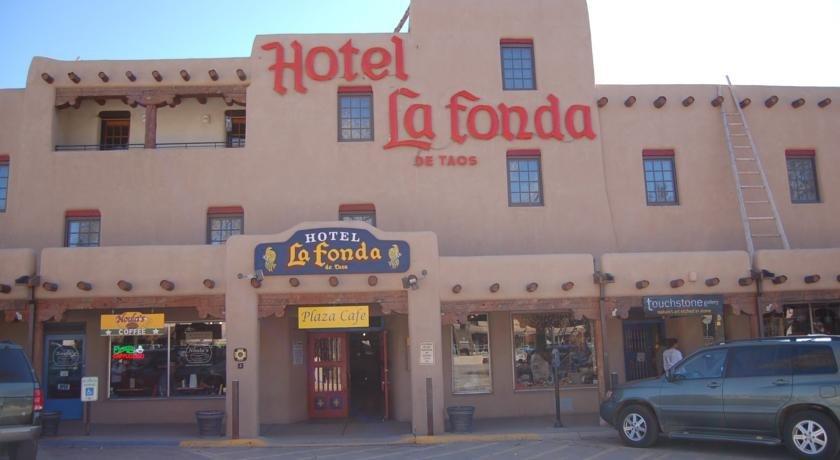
773, 42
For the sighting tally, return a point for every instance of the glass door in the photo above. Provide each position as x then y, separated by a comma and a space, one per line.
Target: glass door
64, 366
328, 375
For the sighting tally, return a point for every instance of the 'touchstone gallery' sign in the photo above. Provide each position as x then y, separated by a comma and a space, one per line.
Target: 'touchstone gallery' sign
683, 305
330, 250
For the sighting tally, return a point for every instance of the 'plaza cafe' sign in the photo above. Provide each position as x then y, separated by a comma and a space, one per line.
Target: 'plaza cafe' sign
332, 250
409, 120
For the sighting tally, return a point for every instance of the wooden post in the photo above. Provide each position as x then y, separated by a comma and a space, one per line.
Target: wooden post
151, 126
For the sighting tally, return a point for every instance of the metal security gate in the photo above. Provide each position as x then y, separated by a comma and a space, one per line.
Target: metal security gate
643, 342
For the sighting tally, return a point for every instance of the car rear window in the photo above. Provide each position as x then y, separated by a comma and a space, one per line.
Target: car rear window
814, 359
13, 366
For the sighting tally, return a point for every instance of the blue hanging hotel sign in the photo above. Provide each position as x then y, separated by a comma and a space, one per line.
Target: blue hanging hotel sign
332, 250
683, 305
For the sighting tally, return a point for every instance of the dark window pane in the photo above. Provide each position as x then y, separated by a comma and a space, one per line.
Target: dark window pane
223, 227
814, 359
355, 117
660, 183
802, 176
14, 367
471, 356
524, 181
82, 232
518, 67
706, 365
759, 361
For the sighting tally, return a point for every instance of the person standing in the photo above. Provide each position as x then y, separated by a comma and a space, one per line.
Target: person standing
671, 355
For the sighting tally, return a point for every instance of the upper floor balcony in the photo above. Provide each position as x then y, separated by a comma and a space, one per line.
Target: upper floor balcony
112, 118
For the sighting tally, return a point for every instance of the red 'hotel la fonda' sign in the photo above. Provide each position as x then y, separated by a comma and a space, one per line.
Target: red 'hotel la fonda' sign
512, 122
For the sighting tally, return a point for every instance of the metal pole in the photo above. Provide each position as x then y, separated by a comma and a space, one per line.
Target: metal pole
557, 422
235, 409
87, 418
430, 425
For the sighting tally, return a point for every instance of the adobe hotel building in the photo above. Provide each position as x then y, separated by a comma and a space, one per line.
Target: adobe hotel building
385, 225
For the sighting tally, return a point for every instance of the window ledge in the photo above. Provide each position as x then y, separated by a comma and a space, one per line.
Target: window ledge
164, 398
562, 388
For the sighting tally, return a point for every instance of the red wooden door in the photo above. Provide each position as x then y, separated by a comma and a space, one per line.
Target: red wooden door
327, 366
386, 377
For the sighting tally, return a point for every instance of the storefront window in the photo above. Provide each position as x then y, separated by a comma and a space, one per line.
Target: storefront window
188, 360
471, 356
803, 319
536, 335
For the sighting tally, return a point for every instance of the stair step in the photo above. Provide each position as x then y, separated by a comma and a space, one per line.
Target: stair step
745, 159
749, 173
765, 235
761, 218
741, 147
736, 124
752, 186
757, 202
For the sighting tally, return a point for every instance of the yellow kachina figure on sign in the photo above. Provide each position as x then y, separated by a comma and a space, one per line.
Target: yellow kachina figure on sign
270, 259
394, 256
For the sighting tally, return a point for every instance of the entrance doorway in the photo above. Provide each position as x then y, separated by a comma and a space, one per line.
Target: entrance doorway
64, 367
643, 346
348, 375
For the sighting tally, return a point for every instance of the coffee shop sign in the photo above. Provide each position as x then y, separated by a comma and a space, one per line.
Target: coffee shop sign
409, 119
331, 250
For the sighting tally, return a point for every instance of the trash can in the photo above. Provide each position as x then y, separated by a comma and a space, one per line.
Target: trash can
461, 418
49, 422
209, 422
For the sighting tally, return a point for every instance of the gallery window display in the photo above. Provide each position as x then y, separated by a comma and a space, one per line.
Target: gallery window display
537, 335
471, 356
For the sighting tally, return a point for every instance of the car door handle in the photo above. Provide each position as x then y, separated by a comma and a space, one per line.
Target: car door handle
713, 385
780, 382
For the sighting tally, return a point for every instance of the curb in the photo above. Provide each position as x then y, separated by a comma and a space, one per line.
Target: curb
73, 443
452, 438
212, 443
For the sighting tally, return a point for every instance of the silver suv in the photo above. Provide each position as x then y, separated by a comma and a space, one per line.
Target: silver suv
777, 390
20, 404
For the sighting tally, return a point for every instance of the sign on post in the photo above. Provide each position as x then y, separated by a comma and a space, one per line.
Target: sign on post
427, 353
90, 389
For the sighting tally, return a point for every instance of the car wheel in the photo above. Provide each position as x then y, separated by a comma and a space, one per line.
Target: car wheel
24, 450
811, 434
637, 427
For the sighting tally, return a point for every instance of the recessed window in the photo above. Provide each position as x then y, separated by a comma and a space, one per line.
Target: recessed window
235, 128
518, 64
362, 212
82, 228
660, 177
4, 181
114, 130
355, 114
224, 222
471, 356
536, 336
524, 178
802, 176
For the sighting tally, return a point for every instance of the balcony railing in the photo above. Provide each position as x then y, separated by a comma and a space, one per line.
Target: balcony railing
238, 143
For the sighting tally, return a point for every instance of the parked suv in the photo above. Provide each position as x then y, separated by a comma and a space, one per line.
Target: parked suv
779, 390
21, 403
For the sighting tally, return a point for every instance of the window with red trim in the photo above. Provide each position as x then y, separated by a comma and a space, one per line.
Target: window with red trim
660, 177
518, 64
4, 181
364, 212
82, 228
802, 176
224, 222
355, 114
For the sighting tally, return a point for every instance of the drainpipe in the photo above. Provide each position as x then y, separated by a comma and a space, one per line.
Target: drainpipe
759, 293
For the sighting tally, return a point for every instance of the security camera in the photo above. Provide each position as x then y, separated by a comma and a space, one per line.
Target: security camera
259, 275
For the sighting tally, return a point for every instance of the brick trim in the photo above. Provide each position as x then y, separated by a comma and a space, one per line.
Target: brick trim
811, 153
363, 89
357, 207
524, 153
71, 213
217, 210
652, 153
4, 158
516, 41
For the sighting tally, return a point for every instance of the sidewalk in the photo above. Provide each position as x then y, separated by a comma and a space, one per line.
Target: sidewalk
351, 433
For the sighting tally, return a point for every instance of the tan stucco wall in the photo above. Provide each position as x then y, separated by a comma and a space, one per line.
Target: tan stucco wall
797, 264
16, 331
11, 100
504, 401
15, 263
